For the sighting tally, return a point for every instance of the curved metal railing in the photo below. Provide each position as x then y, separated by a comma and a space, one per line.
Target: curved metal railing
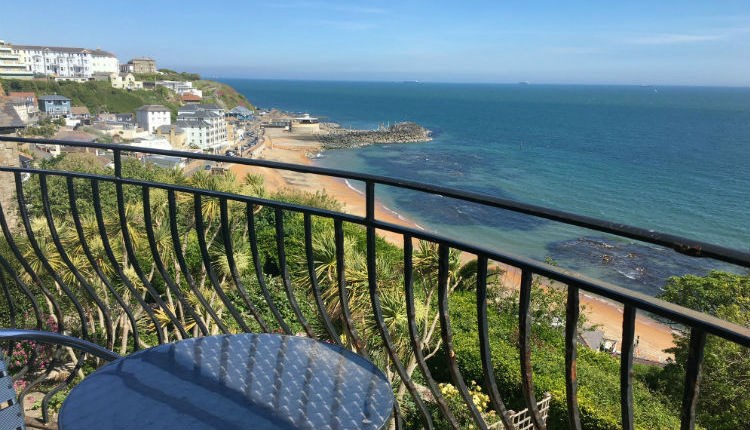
218, 261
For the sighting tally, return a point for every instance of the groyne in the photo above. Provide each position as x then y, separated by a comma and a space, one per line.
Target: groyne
335, 137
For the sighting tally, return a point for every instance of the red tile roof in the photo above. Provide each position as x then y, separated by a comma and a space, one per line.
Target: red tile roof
190, 98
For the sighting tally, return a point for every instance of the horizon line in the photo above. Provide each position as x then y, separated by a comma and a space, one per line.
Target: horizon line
519, 83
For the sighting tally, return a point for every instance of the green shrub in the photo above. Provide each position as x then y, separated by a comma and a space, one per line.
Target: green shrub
598, 373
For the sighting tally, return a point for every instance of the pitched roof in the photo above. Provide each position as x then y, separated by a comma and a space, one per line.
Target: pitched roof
153, 108
8, 116
192, 123
187, 97
54, 97
24, 94
168, 128
79, 110
97, 52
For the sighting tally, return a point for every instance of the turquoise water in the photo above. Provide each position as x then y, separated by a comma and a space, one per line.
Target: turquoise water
671, 159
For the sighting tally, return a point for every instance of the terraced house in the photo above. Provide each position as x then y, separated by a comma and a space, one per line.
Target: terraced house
78, 64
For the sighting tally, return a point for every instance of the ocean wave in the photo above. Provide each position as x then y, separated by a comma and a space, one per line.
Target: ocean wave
348, 184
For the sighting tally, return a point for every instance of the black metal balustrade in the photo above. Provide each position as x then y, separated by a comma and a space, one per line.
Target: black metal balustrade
127, 296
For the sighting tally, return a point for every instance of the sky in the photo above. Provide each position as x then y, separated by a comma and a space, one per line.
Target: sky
624, 42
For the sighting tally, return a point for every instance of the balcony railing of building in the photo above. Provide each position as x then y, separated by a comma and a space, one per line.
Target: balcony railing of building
187, 260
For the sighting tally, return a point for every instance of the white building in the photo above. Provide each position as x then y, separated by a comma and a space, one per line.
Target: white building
11, 64
204, 126
150, 117
78, 64
180, 87
102, 61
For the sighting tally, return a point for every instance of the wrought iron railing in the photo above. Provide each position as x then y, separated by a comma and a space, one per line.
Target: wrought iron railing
75, 257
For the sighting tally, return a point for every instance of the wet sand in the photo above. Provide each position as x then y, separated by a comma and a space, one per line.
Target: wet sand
606, 316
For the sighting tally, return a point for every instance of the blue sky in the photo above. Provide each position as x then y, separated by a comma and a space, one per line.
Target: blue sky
633, 42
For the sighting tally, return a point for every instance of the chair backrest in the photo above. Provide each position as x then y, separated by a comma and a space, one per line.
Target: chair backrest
11, 414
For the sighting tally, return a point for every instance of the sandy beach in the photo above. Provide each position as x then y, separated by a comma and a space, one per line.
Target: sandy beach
654, 337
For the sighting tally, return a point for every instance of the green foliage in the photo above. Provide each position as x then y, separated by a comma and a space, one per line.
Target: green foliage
724, 388
44, 128
167, 75
598, 373
97, 96
222, 94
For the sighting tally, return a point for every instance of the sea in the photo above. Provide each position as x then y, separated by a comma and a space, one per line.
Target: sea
665, 158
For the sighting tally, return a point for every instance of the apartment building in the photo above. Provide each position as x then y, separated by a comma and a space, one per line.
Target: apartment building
78, 64
11, 64
204, 125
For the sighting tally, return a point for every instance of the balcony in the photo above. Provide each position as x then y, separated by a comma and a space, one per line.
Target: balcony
131, 257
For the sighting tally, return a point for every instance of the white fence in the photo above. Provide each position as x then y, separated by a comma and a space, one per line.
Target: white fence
522, 420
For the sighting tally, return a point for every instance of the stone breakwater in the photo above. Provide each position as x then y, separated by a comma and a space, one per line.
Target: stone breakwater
334, 137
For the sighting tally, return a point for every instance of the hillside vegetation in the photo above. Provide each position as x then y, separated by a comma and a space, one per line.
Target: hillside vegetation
99, 96
222, 94
213, 92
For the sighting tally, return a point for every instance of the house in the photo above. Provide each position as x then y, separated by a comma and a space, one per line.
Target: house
63, 63
29, 96
125, 118
149, 117
188, 98
140, 65
26, 103
125, 81
173, 134
10, 119
80, 113
11, 63
204, 124
54, 105
122, 80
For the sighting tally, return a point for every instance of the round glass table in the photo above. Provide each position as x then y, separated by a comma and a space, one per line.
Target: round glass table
243, 381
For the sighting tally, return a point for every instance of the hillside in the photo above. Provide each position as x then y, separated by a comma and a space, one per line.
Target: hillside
213, 92
222, 94
99, 96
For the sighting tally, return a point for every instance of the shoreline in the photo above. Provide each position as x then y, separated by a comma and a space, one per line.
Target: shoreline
602, 314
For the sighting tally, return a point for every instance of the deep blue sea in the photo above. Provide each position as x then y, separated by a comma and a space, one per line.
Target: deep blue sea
671, 159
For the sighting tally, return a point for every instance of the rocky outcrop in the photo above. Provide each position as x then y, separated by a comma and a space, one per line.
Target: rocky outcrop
403, 132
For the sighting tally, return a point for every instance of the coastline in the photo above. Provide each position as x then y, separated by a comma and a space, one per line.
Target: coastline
601, 314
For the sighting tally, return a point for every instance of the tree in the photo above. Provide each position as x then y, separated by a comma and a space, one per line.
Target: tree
724, 401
